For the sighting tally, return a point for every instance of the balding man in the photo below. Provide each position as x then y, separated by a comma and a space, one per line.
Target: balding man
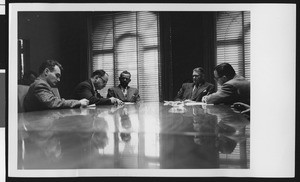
89, 89
40, 95
196, 90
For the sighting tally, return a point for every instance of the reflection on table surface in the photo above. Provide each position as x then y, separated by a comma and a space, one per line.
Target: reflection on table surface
136, 136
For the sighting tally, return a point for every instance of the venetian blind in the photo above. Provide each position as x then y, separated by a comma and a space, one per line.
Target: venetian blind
128, 41
233, 41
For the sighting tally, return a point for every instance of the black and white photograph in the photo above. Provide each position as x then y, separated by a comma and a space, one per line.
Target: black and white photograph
143, 90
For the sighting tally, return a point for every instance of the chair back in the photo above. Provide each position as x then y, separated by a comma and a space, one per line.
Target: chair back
22, 91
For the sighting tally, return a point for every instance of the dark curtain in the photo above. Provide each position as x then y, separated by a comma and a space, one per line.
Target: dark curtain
3, 41
187, 42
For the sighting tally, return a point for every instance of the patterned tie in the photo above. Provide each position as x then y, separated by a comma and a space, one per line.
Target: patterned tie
194, 93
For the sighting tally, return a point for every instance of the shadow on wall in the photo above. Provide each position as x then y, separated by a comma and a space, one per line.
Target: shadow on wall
3, 62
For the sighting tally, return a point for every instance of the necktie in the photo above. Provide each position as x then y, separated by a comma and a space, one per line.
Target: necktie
125, 93
194, 93
96, 93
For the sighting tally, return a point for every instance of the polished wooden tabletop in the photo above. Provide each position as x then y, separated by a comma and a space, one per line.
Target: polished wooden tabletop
134, 136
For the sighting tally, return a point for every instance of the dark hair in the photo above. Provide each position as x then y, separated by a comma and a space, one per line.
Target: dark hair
50, 64
100, 73
199, 70
225, 69
125, 72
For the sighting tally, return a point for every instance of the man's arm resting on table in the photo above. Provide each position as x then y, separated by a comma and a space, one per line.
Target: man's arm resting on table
47, 97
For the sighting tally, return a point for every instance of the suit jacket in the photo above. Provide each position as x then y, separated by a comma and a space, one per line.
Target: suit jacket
86, 90
186, 91
132, 94
41, 97
234, 90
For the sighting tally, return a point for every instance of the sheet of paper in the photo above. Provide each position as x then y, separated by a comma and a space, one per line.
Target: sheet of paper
129, 103
196, 103
92, 105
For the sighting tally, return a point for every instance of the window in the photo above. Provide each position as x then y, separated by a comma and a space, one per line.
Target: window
233, 41
128, 41
233, 46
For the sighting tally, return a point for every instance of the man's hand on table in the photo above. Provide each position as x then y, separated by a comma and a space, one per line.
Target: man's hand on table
84, 102
116, 101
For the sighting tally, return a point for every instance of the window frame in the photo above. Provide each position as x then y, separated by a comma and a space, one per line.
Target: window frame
113, 50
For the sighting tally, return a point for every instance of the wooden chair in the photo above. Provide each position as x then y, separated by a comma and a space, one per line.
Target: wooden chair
22, 91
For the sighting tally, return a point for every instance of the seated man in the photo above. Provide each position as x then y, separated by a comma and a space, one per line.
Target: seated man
234, 88
196, 90
40, 95
89, 89
123, 91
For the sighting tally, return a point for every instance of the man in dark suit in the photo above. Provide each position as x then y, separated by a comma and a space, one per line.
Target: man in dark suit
196, 90
234, 88
123, 91
40, 95
89, 89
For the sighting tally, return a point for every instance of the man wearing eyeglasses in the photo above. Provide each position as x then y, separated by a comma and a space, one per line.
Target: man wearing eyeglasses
40, 95
196, 90
89, 89
234, 88
123, 91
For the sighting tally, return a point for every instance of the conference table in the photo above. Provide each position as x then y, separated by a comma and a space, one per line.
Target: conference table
146, 135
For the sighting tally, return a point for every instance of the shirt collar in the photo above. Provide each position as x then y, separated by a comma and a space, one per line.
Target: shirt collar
200, 84
122, 87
